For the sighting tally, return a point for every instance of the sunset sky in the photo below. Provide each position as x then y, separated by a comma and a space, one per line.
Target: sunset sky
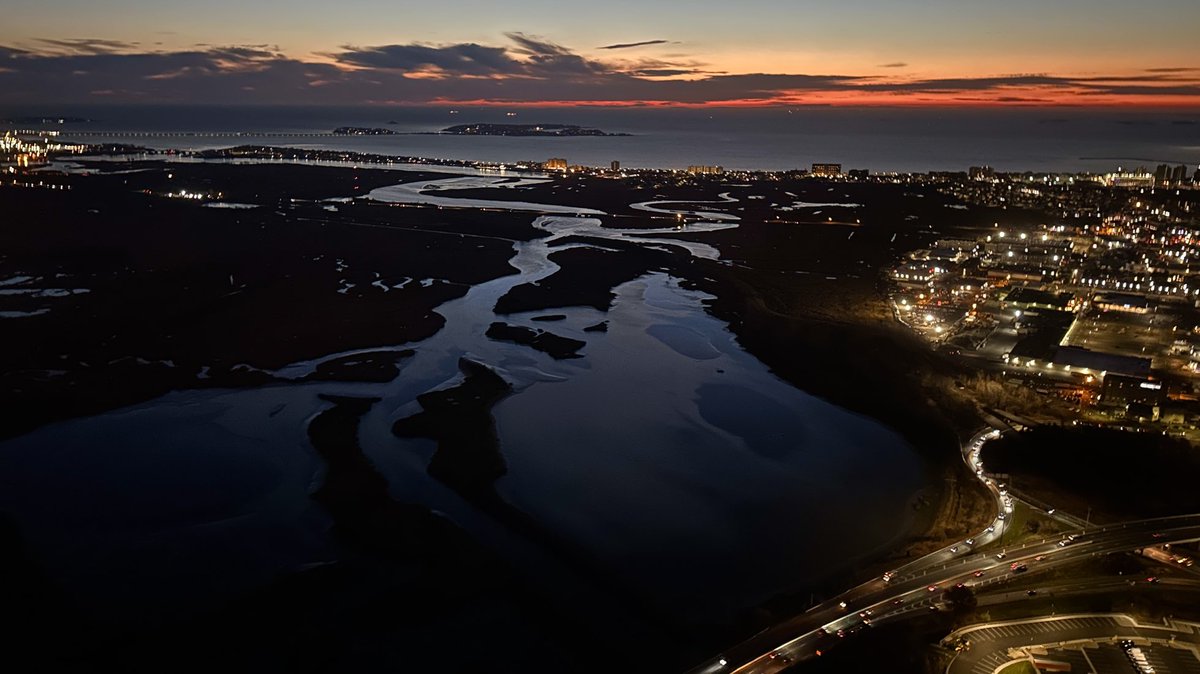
616, 52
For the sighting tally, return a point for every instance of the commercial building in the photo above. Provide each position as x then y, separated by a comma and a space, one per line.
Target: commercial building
1124, 391
702, 170
1015, 274
827, 170
1129, 179
1095, 361
1133, 304
1024, 297
555, 164
916, 274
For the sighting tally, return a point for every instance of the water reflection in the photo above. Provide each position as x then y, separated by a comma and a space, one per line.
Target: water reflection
675, 460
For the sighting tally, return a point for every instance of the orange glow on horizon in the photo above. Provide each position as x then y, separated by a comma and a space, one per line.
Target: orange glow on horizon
1008, 98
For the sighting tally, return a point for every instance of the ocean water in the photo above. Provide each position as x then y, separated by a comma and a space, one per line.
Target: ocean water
880, 139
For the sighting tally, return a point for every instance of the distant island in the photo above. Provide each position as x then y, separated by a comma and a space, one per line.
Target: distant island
553, 130
363, 131
545, 130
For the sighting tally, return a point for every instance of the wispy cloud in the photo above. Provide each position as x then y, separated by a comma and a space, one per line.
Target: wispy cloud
897, 64
93, 46
631, 45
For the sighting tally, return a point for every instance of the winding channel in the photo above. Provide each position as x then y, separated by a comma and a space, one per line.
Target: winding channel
667, 453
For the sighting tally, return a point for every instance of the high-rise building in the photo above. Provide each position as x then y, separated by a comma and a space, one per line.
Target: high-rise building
555, 164
1179, 174
699, 169
1162, 174
827, 169
615, 166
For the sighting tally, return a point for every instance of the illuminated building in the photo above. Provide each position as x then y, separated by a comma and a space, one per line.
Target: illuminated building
1129, 179
1123, 391
981, 172
916, 274
1123, 302
827, 170
698, 169
1025, 298
555, 164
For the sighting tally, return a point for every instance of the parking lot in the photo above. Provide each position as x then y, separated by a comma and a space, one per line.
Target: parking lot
994, 645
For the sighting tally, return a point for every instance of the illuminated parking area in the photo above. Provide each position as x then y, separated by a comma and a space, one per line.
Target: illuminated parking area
1079, 643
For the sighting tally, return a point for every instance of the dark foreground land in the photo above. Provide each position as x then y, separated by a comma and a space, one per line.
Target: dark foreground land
126, 293
143, 294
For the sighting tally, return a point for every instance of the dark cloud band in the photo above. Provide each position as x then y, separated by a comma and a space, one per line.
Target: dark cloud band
529, 69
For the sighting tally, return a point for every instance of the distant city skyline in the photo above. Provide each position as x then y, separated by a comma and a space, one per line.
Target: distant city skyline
617, 53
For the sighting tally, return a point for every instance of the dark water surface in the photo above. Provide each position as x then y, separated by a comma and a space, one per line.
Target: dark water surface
666, 455
881, 139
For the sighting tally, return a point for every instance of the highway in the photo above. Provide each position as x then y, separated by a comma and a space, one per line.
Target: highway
918, 585
1091, 585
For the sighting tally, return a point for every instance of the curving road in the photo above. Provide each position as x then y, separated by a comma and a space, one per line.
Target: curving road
917, 586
